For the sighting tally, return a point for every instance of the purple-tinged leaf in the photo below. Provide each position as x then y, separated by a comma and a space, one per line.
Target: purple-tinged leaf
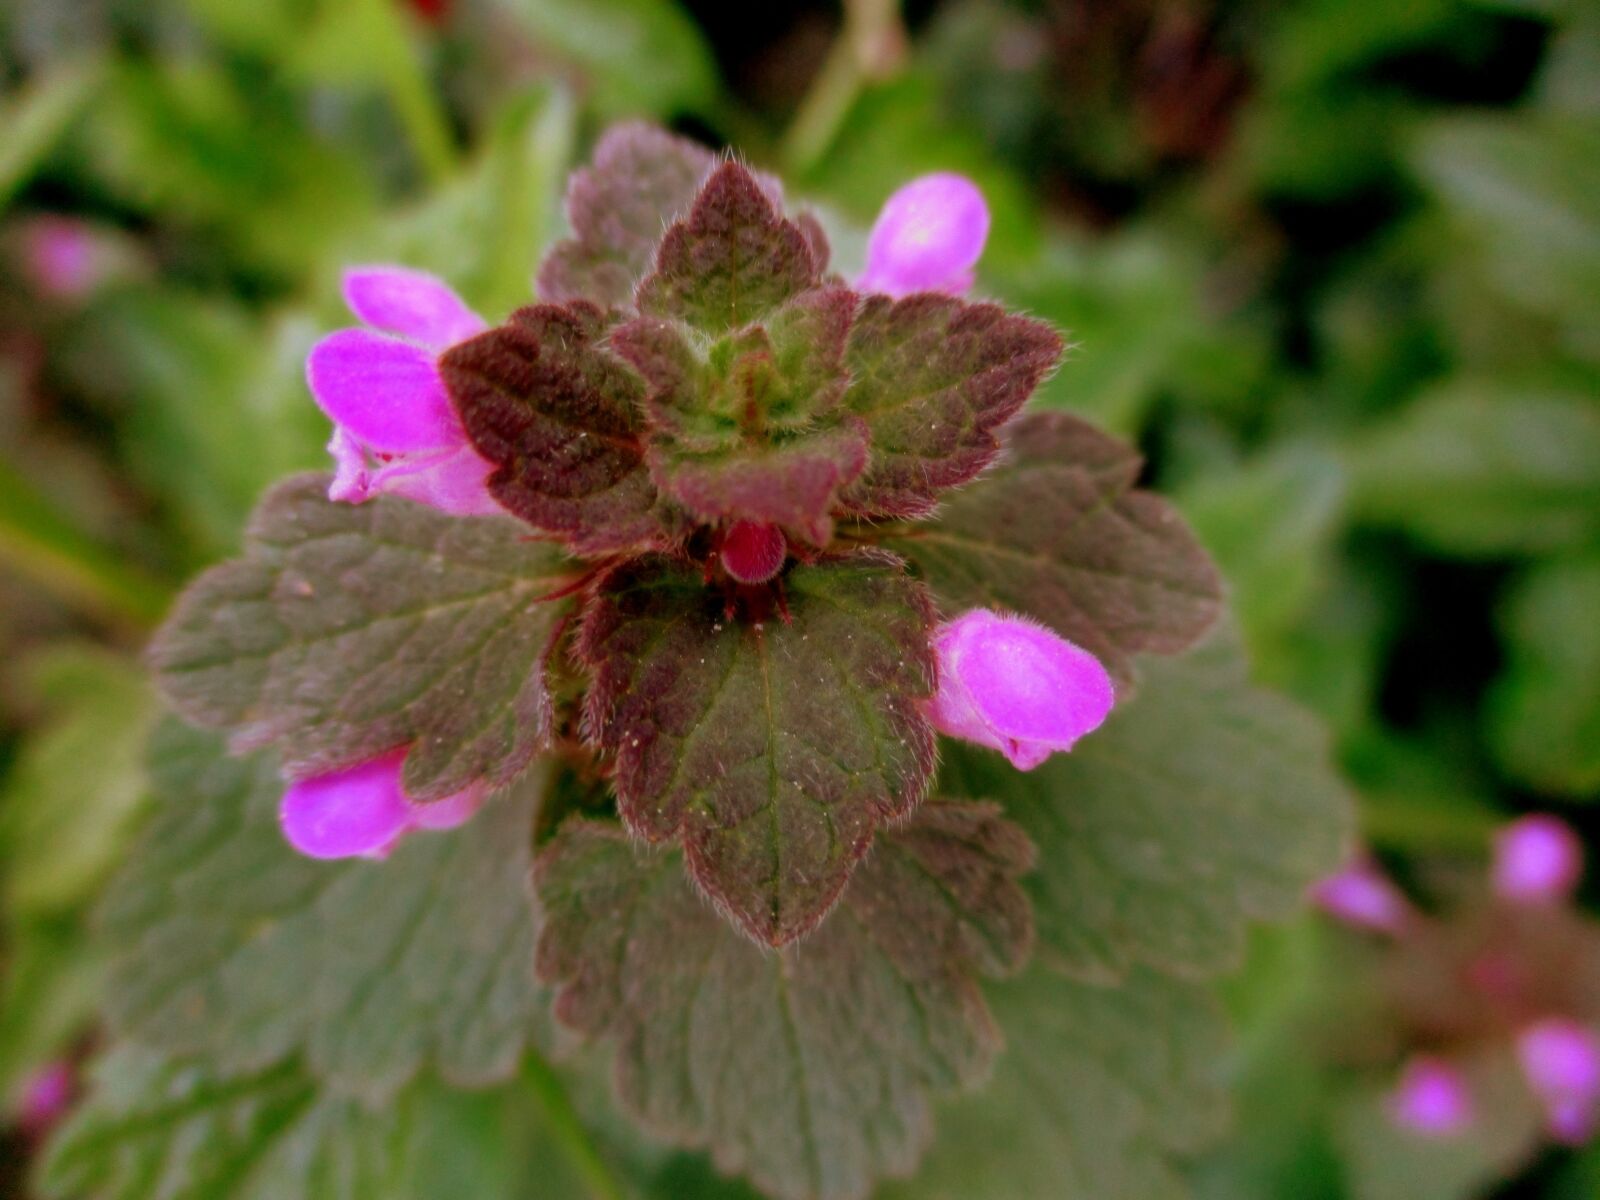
227, 944
935, 378
1201, 805
1058, 533
809, 1069
544, 400
346, 631
772, 749
732, 260
642, 179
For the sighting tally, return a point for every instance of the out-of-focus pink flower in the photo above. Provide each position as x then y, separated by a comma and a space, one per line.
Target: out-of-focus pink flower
45, 1097
1561, 1060
1431, 1098
1537, 859
395, 431
362, 811
928, 238
1013, 685
63, 258
1363, 896
753, 552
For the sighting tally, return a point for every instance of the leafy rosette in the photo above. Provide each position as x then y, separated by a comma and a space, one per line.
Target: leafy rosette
736, 540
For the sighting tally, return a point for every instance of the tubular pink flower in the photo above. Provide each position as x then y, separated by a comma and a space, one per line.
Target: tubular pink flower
1013, 685
928, 238
753, 552
395, 431
1561, 1060
362, 811
1431, 1099
45, 1097
63, 258
1537, 859
1361, 895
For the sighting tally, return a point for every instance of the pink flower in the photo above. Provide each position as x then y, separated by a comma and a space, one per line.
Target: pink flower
1431, 1098
1363, 896
1537, 859
362, 811
928, 238
395, 431
1011, 684
45, 1097
1561, 1060
753, 552
63, 258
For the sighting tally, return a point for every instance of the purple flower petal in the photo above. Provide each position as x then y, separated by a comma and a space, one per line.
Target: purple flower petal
45, 1097
411, 304
928, 237
386, 393
352, 476
1011, 684
1561, 1060
448, 813
359, 811
753, 552
1431, 1099
1536, 859
1361, 895
455, 481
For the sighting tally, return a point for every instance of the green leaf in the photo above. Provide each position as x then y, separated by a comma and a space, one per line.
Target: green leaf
230, 945
934, 379
636, 55
1477, 467
1386, 1162
1544, 711
36, 118
71, 797
543, 399
771, 748
347, 630
1202, 804
731, 259
53, 983
642, 179
1098, 1092
159, 1129
808, 1069
1057, 532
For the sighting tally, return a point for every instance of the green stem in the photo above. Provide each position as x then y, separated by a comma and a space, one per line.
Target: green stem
569, 1130
870, 45
412, 93
1408, 824
39, 543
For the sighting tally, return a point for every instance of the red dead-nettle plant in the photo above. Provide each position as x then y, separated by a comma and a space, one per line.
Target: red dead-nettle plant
703, 551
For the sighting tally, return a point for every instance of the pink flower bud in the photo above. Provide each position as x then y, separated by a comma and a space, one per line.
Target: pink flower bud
1011, 684
1537, 859
1561, 1060
395, 431
45, 1097
1431, 1099
1361, 895
362, 811
927, 238
753, 552
63, 258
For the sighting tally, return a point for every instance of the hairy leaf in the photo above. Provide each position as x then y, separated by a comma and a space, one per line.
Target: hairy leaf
934, 378
230, 945
347, 630
1098, 1092
810, 1068
559, 416
732, 260
770, 748
1200, 805
161, 1129
1058, 533
641, 180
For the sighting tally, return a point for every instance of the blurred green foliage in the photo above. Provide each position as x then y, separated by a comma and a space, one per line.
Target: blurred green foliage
1335, 264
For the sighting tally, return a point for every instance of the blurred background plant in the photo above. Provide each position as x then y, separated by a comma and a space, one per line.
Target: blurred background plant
1333, 264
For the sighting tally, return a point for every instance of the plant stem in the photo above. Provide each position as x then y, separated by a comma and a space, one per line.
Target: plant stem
1394, 823
569, 1130
412, 93
870, 46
